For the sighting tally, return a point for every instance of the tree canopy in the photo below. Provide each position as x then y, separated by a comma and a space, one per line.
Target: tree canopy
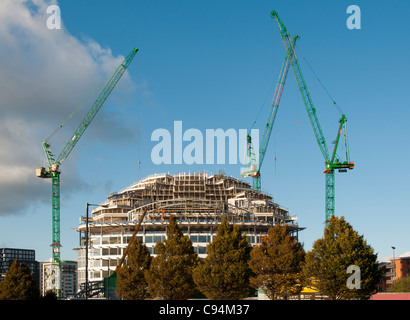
401, 285
342, 265
19, 284
277, 264
224, 273
170, 274
131, 283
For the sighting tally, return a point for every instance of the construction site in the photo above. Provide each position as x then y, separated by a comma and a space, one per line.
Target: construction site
198, 200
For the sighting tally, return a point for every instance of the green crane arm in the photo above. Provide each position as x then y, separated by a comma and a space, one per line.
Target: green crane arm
53, 170
269, 124
95, 108
333, 162
274, 108
310, 108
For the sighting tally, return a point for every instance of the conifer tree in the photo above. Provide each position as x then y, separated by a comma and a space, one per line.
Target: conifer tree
224, 273
328, 265
18, 283
131, 283
170, 274
277, 264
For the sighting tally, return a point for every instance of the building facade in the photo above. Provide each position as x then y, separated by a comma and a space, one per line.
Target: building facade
393, 270
68, 278
28, 256
199, 201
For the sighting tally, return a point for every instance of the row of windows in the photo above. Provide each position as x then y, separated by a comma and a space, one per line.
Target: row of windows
11, 254
148, 239
151, 249
117, 251
157, 238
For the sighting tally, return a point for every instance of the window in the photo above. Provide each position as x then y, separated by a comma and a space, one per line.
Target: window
115, 240
201, 250
157, 238
203, 238
114, 251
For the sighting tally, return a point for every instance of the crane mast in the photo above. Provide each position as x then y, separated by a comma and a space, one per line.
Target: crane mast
53, 169
331, 163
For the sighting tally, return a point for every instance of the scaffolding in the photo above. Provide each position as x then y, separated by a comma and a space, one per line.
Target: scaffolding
197, 200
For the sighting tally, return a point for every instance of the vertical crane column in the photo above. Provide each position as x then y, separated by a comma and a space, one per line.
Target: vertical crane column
55, 187
331, 163
53, 170
330, 195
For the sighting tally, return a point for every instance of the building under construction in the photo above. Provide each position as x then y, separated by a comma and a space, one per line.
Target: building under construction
197, 200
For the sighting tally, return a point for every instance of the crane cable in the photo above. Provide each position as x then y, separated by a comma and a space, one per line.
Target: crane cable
269, 91
263, 104
92, 94
320, 82
323, 86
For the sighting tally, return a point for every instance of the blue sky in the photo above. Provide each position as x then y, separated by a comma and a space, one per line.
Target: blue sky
209, 64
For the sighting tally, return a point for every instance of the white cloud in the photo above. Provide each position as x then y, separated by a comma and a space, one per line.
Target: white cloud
406, 254
390, 257
44, 75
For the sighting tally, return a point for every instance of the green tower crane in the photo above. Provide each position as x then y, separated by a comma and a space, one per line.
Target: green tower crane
332, 162
53, 169
255, 167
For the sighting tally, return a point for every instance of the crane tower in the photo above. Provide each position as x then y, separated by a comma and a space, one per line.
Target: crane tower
52, 171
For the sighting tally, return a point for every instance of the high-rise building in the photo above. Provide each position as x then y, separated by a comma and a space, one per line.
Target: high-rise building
28, 256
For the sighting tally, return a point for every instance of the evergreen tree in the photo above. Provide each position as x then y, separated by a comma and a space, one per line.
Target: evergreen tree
225, 272
327, 264
170, 274
277, 264
131, 283
18, 284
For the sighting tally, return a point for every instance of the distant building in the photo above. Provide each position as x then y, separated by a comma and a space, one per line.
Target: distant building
393, 270
68, 280
387, 277
28, 256
402, 267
